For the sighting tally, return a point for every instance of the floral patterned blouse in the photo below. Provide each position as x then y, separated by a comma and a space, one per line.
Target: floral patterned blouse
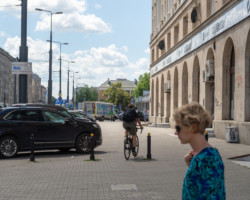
204, 178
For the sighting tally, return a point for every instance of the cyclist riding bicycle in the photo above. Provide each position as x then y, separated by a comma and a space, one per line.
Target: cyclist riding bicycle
131, 117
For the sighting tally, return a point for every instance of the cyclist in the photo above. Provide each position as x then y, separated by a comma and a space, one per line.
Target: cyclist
131, 117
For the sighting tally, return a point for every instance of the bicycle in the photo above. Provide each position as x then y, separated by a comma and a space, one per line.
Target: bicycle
128, 145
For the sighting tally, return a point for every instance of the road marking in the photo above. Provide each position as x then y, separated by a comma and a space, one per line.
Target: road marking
126, 187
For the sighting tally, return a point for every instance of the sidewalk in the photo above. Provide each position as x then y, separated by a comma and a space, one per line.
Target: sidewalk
71, 176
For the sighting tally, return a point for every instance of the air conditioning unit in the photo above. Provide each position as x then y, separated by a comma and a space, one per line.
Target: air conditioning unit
167, 86
209, 68
232, 134
206, 78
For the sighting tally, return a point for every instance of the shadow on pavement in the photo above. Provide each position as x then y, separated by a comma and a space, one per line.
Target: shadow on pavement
142, 159
50, 154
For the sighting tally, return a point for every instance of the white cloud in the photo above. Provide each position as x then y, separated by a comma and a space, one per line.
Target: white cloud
12, 45
72, 19
69, 6
147, 50
2, 34
74, 22
98, 6
125, 49
95, 66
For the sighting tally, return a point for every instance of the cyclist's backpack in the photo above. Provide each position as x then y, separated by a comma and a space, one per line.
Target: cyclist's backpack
129, 115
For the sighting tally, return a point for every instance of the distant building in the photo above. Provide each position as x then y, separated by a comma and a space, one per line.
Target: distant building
127, 85
142, 102
9, 83
36, 88
43, 94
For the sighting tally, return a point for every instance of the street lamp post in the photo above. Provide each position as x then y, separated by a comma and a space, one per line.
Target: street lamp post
50, 55
68, 79
76, 92
23, 55
73, 89
60, 70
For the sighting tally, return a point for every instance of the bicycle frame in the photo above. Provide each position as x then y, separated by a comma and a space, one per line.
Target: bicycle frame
128, 144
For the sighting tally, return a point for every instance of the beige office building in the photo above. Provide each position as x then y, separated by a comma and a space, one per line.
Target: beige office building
200, 51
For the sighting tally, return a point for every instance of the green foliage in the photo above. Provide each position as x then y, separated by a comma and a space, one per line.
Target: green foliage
53, 100
90, 94
117, 95
143, 84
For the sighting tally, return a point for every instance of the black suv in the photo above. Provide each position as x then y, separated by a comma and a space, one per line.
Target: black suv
52, 130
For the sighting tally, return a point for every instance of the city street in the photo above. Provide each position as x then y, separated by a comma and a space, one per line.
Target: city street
71, 176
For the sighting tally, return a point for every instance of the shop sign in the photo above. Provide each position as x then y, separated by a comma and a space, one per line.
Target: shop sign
21, 68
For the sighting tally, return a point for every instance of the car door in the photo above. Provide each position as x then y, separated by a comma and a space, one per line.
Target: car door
57, 130
23, 123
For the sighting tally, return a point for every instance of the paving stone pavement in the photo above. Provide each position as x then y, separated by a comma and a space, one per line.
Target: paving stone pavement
70, 176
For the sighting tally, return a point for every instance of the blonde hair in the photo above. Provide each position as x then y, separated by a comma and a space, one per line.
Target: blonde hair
192, 113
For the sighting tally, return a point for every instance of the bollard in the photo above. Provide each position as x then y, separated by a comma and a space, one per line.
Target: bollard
206, 135
149, 147
32, 155
92, 142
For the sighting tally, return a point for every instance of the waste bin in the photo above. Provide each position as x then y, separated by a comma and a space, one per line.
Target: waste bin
232, 134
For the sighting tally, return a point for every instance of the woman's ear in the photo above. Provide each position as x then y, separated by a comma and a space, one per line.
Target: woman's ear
194, 128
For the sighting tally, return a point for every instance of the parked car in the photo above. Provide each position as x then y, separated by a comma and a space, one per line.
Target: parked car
121, 115
52, 130
81, 114
58, 108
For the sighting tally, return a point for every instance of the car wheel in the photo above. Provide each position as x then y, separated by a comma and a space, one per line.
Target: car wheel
83, 143
8, 147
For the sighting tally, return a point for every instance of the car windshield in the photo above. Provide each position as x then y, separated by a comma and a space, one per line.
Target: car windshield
52, 117
77, 114
65, 113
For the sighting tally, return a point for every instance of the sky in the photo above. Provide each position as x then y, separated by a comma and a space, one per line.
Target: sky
107, 39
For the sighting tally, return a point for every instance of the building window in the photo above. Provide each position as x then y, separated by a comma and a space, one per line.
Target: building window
176, 34
185, 26
152, 55
169, 40
210, 7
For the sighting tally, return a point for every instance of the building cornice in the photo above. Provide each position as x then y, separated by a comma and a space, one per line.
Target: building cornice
211, 29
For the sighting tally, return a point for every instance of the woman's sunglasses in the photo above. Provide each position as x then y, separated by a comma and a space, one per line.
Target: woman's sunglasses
178, 129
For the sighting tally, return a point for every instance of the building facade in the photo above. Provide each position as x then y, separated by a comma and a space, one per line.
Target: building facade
36, 89
127, 85
200, 51
142, 102
9, 83
6, 79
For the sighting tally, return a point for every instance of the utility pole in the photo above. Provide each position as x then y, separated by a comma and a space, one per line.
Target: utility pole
23, 54
50, 55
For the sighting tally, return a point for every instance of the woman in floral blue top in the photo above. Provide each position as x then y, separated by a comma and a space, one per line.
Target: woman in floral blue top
204, 178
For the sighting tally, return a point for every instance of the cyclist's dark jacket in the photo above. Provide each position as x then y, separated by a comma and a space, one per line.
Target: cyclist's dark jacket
130, 115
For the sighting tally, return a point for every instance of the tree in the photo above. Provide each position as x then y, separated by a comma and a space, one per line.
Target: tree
117, 95
143, 84
89, 94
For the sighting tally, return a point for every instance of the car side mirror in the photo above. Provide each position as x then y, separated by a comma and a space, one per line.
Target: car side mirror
67, 120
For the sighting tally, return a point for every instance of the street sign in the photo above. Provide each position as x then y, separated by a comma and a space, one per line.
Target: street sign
21, 68
57, 101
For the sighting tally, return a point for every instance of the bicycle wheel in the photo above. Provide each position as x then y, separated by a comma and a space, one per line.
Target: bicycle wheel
127, 149
137, 146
